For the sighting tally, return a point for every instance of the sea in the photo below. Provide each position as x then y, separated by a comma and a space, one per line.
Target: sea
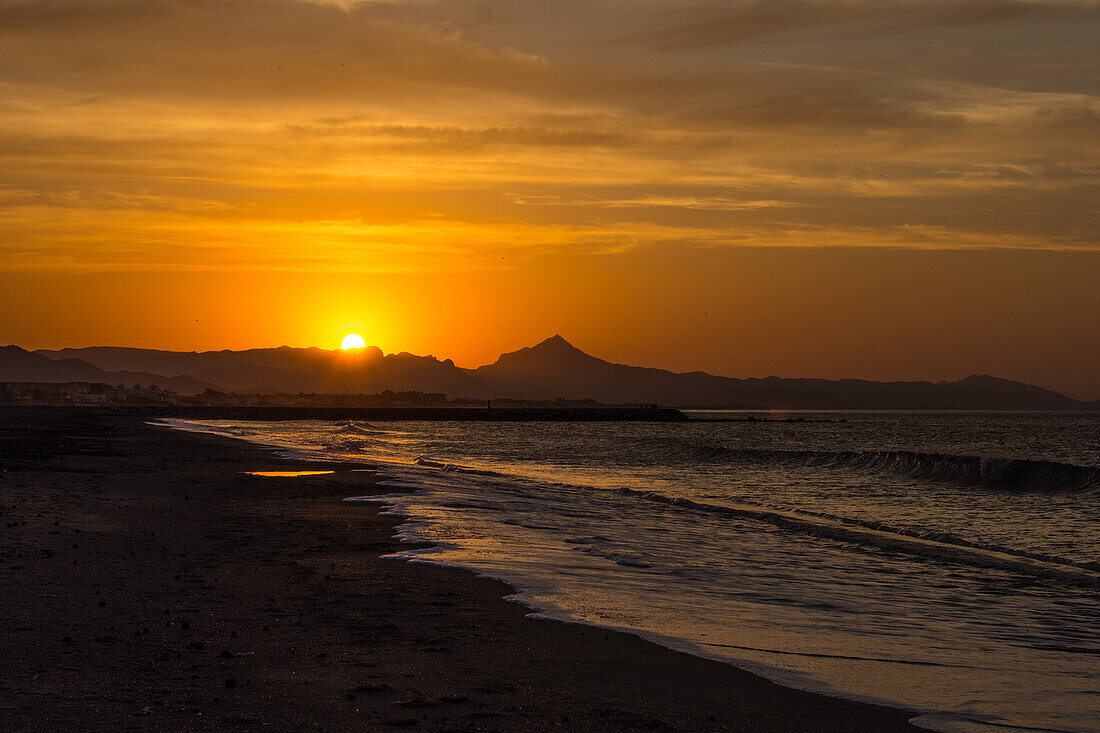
946, 563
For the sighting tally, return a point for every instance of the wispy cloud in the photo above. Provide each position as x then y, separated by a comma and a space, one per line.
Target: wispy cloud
720, 23
409, 134
710, 203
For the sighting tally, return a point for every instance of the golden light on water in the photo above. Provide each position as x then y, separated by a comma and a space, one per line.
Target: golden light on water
353, 341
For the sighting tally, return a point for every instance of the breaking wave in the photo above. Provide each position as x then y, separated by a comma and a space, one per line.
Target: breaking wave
928, 543
935, 545
986, 471
1008, 473
358, 428
456, 468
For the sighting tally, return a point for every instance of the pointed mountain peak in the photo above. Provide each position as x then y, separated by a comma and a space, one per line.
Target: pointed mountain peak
555, 342
554, 353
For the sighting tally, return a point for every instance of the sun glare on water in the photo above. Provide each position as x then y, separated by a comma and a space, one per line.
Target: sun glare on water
353, 341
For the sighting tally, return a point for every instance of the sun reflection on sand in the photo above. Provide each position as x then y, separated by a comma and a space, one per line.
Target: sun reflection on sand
286, 474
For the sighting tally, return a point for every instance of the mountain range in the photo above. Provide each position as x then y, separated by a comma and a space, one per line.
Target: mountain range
553, 368
19, 365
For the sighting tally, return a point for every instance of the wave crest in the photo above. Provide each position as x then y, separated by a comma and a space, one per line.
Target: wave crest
987, 471
1008, 473
935, 545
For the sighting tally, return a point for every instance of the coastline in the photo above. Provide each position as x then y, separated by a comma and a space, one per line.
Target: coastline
151, 584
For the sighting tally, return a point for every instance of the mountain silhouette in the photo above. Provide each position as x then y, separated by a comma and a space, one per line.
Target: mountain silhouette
19, 365
292, 370
556, 368
550, 369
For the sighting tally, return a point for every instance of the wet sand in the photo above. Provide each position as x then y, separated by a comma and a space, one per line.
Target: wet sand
147, 583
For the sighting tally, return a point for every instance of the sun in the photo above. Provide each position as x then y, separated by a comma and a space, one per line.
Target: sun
353, 341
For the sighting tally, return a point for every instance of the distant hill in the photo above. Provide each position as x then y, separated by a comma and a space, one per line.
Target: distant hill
291, 370
553, 368
19, 365
556, 368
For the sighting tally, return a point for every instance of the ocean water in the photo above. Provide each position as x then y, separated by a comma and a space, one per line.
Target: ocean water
947, 563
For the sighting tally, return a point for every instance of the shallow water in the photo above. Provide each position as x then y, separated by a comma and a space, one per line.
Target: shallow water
941, 562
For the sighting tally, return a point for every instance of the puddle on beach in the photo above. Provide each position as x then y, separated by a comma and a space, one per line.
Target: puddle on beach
286, 474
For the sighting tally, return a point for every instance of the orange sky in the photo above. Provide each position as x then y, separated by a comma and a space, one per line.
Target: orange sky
796, 187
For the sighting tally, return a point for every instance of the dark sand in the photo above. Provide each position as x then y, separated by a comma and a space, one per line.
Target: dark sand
147, 584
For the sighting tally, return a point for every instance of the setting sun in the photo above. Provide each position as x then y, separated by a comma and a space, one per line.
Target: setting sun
645, 315
353, 341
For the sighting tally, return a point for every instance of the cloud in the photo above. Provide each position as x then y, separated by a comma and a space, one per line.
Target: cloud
219, 50
709, 203
707, 24
321, 134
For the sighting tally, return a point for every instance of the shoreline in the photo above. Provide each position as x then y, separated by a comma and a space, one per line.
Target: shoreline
152, 584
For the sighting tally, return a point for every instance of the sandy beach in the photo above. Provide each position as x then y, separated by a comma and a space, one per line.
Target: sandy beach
148, 583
